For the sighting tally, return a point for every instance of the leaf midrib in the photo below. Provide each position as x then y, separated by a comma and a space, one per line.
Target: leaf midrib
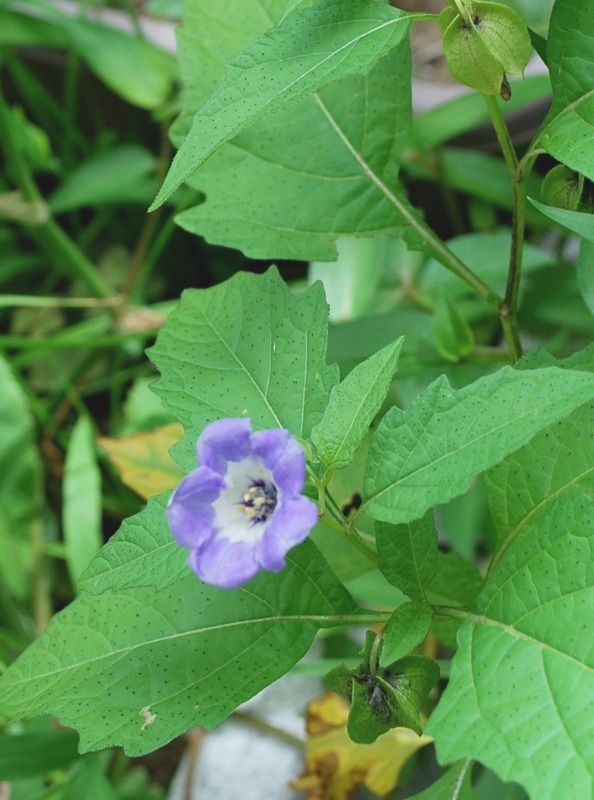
481, 619
264, 109
456, 452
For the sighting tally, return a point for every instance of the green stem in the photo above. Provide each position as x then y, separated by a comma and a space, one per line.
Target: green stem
65, 254
502, 133
352, 536
509, 306
262, 726
453, 613
60, 342
374, 654
27, 301
44, 230
463, 11
453, 263
438, 249
522, 173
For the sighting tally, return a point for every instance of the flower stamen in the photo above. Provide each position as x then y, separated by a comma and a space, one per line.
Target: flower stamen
259, 501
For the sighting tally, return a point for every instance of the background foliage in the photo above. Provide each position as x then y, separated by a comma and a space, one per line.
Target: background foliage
426, 334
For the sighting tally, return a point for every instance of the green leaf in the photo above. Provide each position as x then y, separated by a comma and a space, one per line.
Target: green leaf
525, 643
291, 5
20, 484
232, 26
407, 627
453, 784
408, 554
585, 273
539, 357
558, 460
124, 174
81, 511
139, 667
142, 553
130, 66
518, 650
575, 221
539, 44
337, 179
87, 778
20, 30
352, 407
456, 582
429, 453
311, 48
30, 754
567, 133
264, 360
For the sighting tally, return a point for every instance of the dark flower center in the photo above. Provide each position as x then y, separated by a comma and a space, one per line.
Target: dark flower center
259, 501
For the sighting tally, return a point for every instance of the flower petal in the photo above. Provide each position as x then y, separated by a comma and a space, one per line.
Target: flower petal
224, 564
190, 511
222, 441
283, 456
209, 511
290, 525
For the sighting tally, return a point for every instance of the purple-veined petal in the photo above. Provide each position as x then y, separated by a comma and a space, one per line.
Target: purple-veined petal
224, 564
290, 525
283, 456
222, 441
190, 511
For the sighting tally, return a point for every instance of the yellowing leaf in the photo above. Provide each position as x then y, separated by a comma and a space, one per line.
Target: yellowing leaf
336, 766
143, 459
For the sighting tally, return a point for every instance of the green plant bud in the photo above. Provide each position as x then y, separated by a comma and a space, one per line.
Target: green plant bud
483, 44
562, 188
453, 336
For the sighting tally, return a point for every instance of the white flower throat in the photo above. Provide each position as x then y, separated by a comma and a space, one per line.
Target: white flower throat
249, 498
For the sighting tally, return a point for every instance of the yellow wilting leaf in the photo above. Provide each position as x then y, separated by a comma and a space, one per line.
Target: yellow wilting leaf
336, 766
143, 459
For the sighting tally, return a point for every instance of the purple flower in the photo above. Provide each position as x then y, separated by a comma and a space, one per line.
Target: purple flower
241, 510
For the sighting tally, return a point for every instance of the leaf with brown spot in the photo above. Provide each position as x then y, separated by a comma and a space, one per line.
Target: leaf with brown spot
143, 461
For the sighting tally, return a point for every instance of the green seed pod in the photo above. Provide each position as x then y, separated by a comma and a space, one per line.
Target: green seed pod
562, 188
483, 41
